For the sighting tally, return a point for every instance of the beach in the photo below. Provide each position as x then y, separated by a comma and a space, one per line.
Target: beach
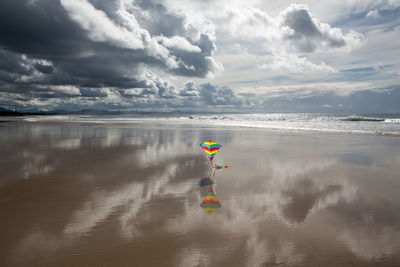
81, 193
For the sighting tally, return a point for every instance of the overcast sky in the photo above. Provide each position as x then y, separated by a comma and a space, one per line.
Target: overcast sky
200, 55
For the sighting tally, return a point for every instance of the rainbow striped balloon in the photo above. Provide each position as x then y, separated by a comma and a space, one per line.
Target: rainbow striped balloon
218, 167
210, 202
210, 148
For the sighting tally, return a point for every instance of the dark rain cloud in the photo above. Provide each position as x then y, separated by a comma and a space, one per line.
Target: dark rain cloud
92, 92
12, 64
44, 43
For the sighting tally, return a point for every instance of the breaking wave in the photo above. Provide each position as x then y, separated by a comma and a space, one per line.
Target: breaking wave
362, 119
324, 123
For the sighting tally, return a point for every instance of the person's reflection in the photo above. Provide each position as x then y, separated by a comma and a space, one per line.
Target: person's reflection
205, 181
210, 202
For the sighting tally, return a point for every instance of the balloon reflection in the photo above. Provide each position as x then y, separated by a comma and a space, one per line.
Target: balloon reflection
210, 202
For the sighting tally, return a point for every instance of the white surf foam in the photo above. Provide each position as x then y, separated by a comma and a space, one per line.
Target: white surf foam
351, 124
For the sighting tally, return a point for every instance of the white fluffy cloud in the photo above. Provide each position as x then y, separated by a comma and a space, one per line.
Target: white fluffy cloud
291, 41
290, 63
294, 30
101, 28
307, 34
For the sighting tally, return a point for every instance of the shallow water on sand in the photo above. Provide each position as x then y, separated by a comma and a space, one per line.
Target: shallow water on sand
128, 195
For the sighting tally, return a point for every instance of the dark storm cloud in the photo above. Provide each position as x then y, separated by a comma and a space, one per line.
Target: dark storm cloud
13, 64
43, 29
43, 68
96, 44
92, 92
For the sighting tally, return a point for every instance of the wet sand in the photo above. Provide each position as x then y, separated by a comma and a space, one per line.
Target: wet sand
128, 195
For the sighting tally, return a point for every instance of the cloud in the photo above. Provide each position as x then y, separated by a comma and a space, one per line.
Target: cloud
208, 94
306, 33
189, 89
100, 28
293, 41
373, 14
141, 54
295, 64
310, 99
178, 43
294, 28
96, 44
370, 7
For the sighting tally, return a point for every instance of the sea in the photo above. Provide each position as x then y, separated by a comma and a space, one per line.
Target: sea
369, 124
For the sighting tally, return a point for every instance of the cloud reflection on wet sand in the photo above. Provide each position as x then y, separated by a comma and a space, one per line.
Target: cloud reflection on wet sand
288, 199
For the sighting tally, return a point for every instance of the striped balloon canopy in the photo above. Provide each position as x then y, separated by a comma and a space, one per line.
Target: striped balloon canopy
210, 202
210, 148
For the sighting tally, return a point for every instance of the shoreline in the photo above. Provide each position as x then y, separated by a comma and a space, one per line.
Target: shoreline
176, 122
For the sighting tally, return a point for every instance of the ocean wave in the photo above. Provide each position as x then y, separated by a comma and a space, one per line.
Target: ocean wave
324, 123
392, 120
362, 119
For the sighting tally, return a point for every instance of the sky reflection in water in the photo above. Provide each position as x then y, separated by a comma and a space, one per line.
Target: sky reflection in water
79, 195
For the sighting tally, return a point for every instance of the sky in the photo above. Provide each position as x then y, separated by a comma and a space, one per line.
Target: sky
200, 55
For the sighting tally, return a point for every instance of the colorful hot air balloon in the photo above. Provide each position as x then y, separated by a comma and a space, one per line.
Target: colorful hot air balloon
210, 202
210, 148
